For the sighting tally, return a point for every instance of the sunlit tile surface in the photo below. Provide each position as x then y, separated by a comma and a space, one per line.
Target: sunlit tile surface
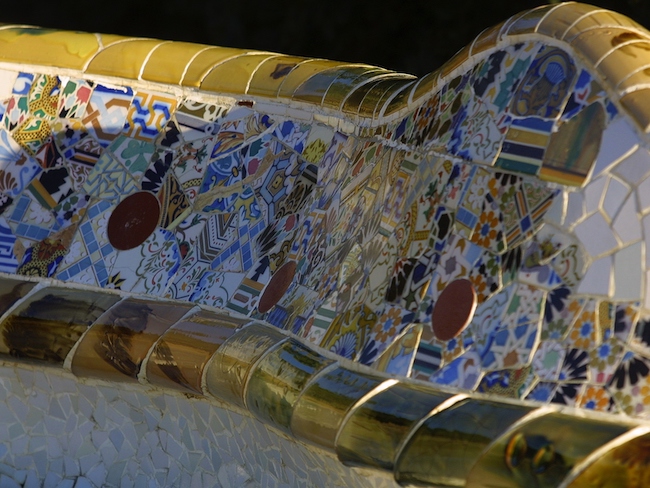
300, 240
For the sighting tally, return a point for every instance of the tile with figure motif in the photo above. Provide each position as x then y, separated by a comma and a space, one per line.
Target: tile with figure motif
511, 347
278, 181
90, 256
525, 145
348, 332
293, 134
154, 176
598, 398
174, 205
189, 166
245, 299
49, 155
328, 165
584, 333
222, 172
170, 136
17, 168
548, 359
545, 88
135, 155
625, 321
17, 109
604, 360
72, 209
108, 180
398, 358
390, 324
463, 372
477, 136
74, 98
149, 267
148, 114
570, 266
569, 394
257, 155
526, 306
456, 261
106, 112
535, 274
43, 257
51, 187
218, 242
561, 310
189, 273
510, 383
317, 143
231, 137
44, 97
630, 384
32, 134
486, 276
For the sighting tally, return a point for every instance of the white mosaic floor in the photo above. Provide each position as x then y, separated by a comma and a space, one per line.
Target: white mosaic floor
58, 432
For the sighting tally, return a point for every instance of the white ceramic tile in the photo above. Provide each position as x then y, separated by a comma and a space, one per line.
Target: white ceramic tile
7, 80
634, 167
627, 273
614, 197
555, 214
597, 278
618, 140
596, 235
594, 192
626, 224
575, 208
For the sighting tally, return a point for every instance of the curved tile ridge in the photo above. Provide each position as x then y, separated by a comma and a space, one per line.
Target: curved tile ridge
605, 41
421, 433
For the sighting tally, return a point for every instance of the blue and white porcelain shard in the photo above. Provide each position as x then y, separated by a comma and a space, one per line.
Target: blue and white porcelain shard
227, 267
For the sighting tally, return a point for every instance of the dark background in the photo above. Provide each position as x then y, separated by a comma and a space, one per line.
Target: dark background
413, 36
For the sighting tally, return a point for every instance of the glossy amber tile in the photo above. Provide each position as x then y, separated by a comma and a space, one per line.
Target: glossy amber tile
115, 346
348, 79
626, 59
168, 61
595, 44
178, 358
46, 325
205, 61
486, 39
446, 446
271, 73
556, 23
320, 410
626, 464
528, 22
124, 59
12, 290
425, 86
314, 89
637, 104
459, 58
600, 18
373, 432
30, 45
278, 379
399, 101
227, 371
541, 452
301, 73
233, 75
363, 100
394, 92
641, 77
372, 102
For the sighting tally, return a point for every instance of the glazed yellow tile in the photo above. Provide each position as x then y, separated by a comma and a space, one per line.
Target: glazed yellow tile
347, 81
459, 58
486, 39
123, 59
638, 78
302, 73
424, 86
315, 87
109, 39
233, 75
271, 73
595, 44
556, 23
399, 101
50, 48
617, 65
393, 91
168, 61
528, 22
637, 104
363, 100
599, 18
205, 61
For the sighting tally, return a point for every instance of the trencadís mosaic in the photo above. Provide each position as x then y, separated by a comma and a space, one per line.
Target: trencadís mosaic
238, 225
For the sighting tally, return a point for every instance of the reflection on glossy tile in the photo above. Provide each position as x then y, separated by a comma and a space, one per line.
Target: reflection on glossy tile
446, 446
48, 324
373, 432
541, 452
278, 379
228, 370
117, 343
179, 356
320, 410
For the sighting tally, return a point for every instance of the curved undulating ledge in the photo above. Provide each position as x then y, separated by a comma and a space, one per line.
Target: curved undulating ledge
445, 279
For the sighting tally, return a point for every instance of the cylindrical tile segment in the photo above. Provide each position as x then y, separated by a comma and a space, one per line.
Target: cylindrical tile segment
321, 408
228, 370
374, 431
445, 447
278, 379
541, 452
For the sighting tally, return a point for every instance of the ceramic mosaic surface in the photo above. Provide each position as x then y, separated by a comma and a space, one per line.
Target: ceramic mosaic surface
445, 280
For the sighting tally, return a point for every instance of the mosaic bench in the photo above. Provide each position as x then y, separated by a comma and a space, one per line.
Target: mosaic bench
227, 267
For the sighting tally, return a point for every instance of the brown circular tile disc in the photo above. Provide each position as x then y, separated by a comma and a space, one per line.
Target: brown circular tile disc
277, 287
454, 309
133, 220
